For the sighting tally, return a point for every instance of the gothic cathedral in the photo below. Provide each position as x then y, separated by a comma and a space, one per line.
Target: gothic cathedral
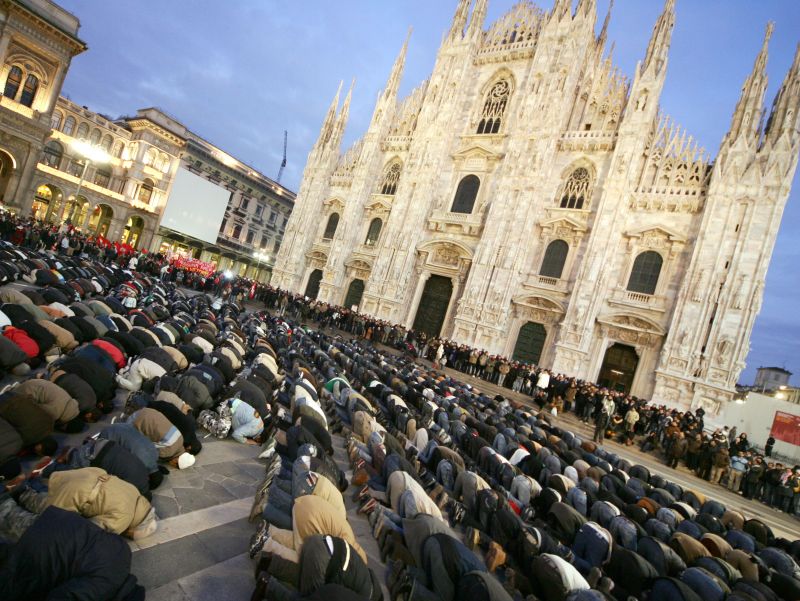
530, 200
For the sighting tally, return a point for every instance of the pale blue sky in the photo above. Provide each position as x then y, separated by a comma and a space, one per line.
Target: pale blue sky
240, 72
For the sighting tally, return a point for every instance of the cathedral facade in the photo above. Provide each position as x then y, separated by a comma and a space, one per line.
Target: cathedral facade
530, 200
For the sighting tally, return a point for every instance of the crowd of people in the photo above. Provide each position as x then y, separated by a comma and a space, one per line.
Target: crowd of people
472, 496
466, 494
680, 437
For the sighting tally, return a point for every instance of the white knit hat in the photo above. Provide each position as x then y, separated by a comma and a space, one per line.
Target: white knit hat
185, 460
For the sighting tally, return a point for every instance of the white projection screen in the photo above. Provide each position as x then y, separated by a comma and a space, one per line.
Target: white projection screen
195, 207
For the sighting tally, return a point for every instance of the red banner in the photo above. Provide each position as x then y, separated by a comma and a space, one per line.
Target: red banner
195, 265
786, 427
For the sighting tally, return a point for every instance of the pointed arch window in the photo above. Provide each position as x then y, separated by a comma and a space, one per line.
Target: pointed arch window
390, 178
554, 259
577, 190
330, 227
466, 193
645, 272
29, 90
13, 82
374, 231
494, 107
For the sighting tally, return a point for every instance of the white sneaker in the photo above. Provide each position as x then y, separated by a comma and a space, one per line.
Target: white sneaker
268, 453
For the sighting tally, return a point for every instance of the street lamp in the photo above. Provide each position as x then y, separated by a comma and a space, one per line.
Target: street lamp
90, 154
259, 256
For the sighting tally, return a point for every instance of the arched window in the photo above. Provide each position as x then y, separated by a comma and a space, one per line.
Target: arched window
390, 178
554, 258
146, 191
330, 228
374, 232
69, 125
107, 142
13, 82
118, 148
237, 231
150, 156
56, 119
466, 193
577, 190
29, 90
102, 177
83, 131
53, 151
94, 139
645, 272
494, 107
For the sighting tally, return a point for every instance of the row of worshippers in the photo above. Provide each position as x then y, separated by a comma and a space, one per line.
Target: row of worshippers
554, 517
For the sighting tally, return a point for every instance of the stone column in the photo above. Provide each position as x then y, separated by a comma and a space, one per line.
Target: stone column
23, 196
423, 278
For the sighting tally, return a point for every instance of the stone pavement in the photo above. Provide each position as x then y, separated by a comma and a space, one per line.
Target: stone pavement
201, 554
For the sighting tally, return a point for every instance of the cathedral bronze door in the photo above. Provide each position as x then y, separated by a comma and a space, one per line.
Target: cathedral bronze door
619, 367
530, 343
312, 288
354, 293
433, 305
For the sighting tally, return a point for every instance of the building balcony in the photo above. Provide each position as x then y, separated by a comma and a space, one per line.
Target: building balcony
638, 300
395, 143
543, 282
455, 223
584, 140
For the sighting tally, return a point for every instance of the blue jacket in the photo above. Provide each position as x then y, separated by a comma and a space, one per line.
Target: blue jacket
128, 437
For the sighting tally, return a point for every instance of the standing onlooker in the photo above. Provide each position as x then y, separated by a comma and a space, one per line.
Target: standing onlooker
738, 467
604, 414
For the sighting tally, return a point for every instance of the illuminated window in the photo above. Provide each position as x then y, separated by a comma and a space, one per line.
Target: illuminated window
13, 82
29, 91
146, 191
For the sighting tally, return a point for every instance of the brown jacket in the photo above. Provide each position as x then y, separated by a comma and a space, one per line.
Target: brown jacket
314, 515
109, 502
64, 338
50, 397
155, 426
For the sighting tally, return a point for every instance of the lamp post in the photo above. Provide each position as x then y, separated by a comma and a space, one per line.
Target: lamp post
259, 256
90, 154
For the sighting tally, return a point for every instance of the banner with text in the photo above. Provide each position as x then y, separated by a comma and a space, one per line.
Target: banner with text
786, 427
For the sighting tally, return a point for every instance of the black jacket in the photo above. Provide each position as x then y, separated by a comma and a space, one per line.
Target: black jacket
65, 556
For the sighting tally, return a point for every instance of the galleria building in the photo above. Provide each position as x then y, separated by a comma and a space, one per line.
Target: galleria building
530, 200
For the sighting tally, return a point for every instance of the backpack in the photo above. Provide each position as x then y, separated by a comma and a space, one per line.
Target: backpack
218, 423
136, 400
